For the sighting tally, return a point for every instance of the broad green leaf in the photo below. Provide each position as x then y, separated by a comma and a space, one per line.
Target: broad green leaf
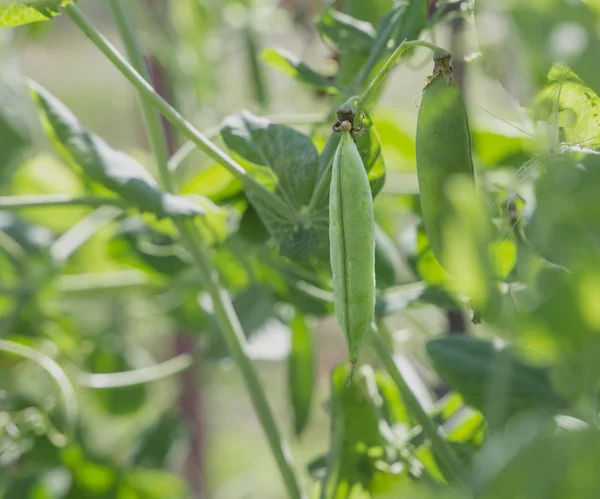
301, 372
492, 379
290, 64
346, 32
19, 12
293, 158
113, 169
289, 153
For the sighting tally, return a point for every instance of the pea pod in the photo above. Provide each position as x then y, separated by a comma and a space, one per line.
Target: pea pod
443, 150
352, 240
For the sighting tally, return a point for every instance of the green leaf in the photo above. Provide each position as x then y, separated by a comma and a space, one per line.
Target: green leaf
113, 169
346, 32
19, 12
301, 372
492, 379
292, 156
290, 64
289, 153
573, 106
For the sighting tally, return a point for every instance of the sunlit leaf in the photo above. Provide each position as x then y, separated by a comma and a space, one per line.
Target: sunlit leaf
113, 169
18, 12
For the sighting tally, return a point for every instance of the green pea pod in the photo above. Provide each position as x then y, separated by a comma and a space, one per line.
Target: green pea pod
352, 240
443, 150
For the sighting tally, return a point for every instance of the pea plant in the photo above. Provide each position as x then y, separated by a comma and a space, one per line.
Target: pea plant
497, 228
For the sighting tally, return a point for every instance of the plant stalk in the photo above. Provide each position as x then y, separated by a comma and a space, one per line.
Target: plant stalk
178, 121
236, 342
224, 312
150, 117
48, 200
370, 91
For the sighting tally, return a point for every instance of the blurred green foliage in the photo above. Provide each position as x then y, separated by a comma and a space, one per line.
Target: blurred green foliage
98, 294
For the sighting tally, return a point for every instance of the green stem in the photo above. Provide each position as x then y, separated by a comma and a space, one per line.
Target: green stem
368, 94
46, 200
112, 281
223, 310
178, 121
140, 376
236, 342
61, 379
150, 116
362, 101
440, 447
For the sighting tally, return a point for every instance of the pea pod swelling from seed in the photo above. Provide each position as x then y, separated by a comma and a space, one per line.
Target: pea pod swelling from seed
443, 150
352, 240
